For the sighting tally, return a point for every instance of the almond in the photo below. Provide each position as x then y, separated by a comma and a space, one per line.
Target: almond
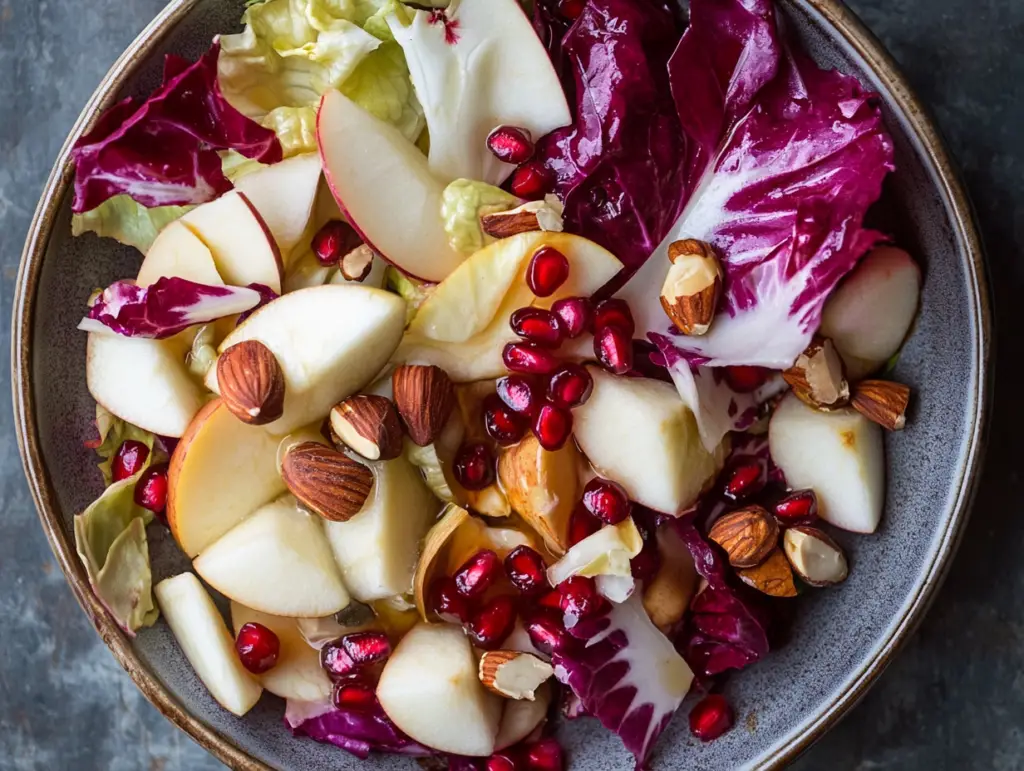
773, 576
425, 397
357, 264
817, 376
326, 481
748, 535
531, 216
815, 557
513, 674
369, 425
692, 287
882, 401
251, 382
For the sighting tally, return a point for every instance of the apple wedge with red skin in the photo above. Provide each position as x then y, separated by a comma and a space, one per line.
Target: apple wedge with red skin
384, 186
285, 196
179, 253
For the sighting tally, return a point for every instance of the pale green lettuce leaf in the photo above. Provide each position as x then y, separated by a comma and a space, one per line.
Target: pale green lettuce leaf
381, 86
112, 433
235, 165
462, 204
295, 128
126, 220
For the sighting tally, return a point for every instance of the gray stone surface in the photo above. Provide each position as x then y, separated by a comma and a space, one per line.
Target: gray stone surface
954, 699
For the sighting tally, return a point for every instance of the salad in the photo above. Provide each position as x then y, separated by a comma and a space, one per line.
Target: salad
496, 362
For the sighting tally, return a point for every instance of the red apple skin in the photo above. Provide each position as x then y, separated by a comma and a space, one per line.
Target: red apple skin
270, 237
178, 460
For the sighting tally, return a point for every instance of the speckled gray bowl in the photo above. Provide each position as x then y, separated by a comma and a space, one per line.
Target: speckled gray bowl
843, 638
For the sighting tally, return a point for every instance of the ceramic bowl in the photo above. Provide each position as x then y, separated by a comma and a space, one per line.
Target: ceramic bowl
842, 639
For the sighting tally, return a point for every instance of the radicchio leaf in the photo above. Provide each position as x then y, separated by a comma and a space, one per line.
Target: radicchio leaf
627, 675
358, 731
164, 308
164, 151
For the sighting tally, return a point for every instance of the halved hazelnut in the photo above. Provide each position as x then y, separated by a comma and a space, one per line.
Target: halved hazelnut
816, 558
817, 376
513, 674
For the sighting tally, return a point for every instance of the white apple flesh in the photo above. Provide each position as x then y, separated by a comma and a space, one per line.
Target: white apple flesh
837, 454
638, 433
284, 195
869, 315
206, 642
430, 690
383, 183
277, 561
522, 716
178, 253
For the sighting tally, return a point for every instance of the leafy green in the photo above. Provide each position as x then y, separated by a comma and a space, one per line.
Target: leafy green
412, 291
462, 203
295, 128
235, 165
112, 433
127, 221
381, 86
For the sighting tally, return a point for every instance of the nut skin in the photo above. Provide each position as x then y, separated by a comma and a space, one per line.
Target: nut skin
827, 543
326, 481
882, 401
369, 425
491, 662
818, 377
504, 224
251, 382
747, 535
692, 287
425, 397
773, 577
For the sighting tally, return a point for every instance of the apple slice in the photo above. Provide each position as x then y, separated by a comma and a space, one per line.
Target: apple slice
178, 253
220, 472
870, 313
284, 195
521, 716
277, 561
638, 433
383, 183
297, 673
242, 246
330, 341
142, 381
837, 454
377, 548
430, 690
206, 642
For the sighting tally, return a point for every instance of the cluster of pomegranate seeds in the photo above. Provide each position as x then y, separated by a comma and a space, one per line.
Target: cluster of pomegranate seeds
446, 601
333, 241
537, 325
151, 489
570, 386
478, 573
745, 480
797, 508
493, 622
529, 359
503, 424
745, 379
574, 314
257, 648
474, 466
711, 717
552, 426
582, 524
347, 656
128, 460
606, 500
510, 144
526, 570
547, 271
531, 181
519, 394
353, 695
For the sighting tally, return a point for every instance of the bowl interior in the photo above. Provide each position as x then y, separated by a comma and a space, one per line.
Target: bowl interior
839, 637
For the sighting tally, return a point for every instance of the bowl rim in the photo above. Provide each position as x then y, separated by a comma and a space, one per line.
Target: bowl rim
830, 12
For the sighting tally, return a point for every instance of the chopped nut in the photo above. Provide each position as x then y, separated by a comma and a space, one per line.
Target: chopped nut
748, 535
357, 264
513, 674
816, 558
692, 287
882, 401
531, 216
817, 376
773, 576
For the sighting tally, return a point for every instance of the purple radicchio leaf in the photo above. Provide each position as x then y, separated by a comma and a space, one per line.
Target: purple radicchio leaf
164, 308
627, 675
164, 150
266, 295
359, 731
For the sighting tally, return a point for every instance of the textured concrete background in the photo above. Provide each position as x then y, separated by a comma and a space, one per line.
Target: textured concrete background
954, 699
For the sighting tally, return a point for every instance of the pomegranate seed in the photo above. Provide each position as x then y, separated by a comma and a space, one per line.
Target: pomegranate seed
574, 314
645, 565
500, 763
526, 570
548, 270
529, 358
614, 349
570, 385
336, 662
366, 647
128, 460
477, 573
353, 695
446, 601
614, 313
745, 480
333, 241
582, 524
798, 508
538, 326
510, 144
545, 755
606, 500
519, 394
474, 466
151, 489
580, 599
552, 426
745, 379
711, 717
257, 648
502, 424
547, 635
571, 9
493, 622
551, 600
531, 181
